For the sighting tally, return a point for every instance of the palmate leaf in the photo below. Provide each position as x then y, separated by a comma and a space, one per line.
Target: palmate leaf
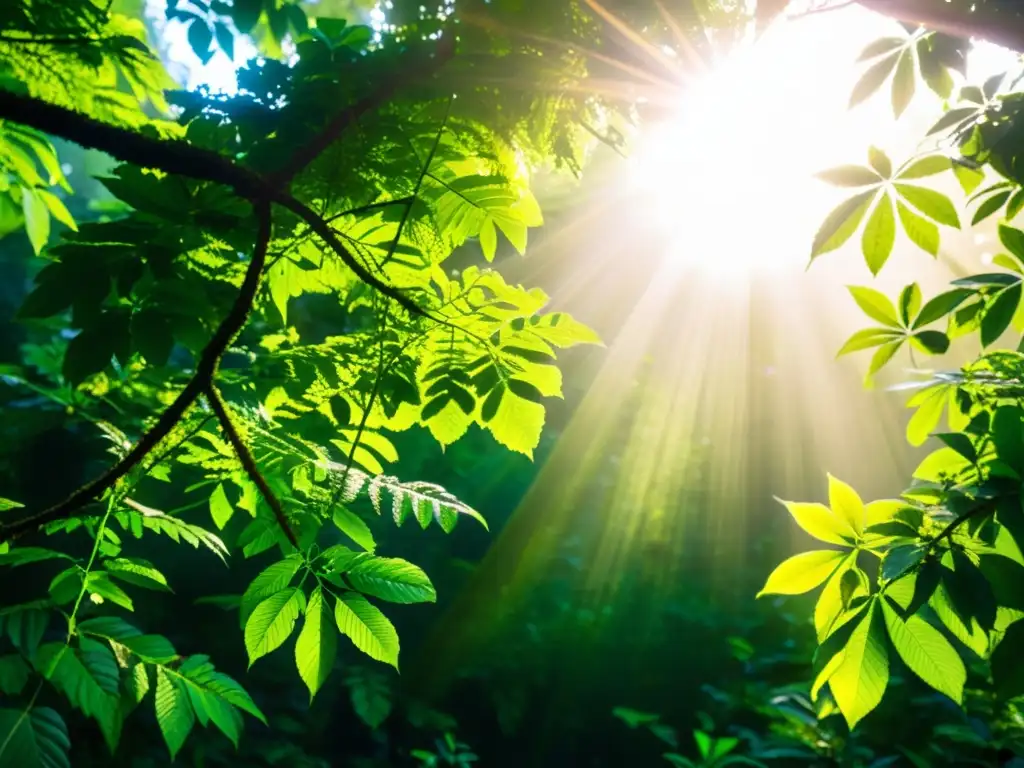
33, 738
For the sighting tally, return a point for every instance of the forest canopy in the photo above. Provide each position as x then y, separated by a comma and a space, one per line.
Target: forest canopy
273, 293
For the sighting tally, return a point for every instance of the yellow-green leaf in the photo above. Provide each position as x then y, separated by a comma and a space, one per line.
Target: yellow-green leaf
818, 520
802, 573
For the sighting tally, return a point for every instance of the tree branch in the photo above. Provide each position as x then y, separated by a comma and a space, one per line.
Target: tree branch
956, 19
248, 461
323, 230
200, 381
129, 146
350, 115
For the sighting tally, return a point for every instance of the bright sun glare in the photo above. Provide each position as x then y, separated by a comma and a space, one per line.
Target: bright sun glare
730, 179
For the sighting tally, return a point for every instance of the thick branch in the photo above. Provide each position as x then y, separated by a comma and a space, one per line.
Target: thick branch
248, 461
129, 146
200, 381
1002, 28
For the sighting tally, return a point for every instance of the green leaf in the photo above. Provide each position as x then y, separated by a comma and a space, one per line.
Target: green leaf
141, 573
272, 622
367, 628
14, 674
271, 580
927, 653
802, 573
873, 78
36, 738
818, 520
25, 555
1012, 239
909, 303
969, 178
317, 644
216, 697
174, 712
999, 313
922, 233
846, 504
880, 46
37, 218
879, 234
355, 528
932, 204
841, 223
875, 305
880, 162
1007, 671
391, 579
88, 676
903, 83
882, 356
990, 206
932, 342
925, 166
220, 508
866, 339
861, 677
525, 390
899, 560
969, 633
941, 305
850, 176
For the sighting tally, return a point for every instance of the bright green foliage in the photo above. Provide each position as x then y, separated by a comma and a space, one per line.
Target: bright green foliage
356, 174
949, 553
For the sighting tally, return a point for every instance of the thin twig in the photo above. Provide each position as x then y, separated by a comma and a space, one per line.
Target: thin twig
249, 461
323, 230
419, 183
950, 529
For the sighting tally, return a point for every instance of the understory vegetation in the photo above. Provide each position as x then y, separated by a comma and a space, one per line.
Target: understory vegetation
290, 402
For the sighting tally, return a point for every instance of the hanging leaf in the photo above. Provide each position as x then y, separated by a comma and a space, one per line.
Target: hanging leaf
367, 628
873, 78
272, 622
926, 652
861, 676
174, 712
879, 235
317, 644
841, 223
